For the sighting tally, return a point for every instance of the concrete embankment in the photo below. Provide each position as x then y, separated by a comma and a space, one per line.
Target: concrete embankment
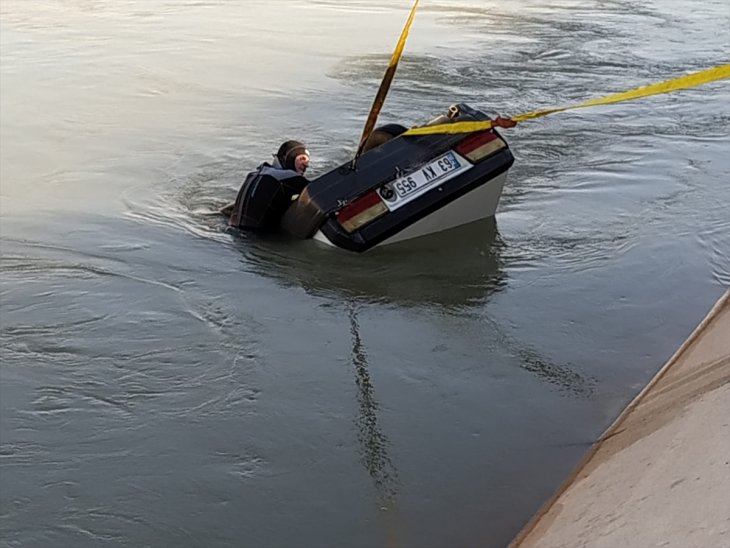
659, 476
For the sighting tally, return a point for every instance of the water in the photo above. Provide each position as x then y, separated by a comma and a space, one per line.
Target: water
165, 383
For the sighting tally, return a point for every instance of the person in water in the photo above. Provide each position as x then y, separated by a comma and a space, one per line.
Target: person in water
267, 192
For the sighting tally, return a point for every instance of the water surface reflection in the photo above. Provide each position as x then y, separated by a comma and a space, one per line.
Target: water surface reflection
452, 272
453, 269
374, 444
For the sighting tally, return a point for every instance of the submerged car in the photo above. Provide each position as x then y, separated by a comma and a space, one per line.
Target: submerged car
404, 187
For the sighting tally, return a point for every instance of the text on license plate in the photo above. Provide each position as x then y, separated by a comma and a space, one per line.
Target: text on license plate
405, 189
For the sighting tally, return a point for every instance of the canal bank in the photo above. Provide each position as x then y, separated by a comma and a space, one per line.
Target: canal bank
659, 475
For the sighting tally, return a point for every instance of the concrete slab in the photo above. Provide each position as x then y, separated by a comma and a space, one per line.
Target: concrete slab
659, 476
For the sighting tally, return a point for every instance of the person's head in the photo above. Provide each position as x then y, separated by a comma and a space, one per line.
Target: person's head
293, 155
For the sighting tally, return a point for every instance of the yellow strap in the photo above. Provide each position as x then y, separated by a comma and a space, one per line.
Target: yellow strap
385, 83
403, 36
684, 82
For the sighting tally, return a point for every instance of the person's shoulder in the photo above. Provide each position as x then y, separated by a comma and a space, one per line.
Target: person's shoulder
262, 166
278, 172
260, 170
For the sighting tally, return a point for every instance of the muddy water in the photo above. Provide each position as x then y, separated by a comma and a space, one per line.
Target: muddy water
165, 382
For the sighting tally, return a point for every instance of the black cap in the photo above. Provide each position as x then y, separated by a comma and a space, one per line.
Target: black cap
289, 151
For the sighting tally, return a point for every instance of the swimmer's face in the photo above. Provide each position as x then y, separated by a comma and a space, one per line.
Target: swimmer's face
301, 163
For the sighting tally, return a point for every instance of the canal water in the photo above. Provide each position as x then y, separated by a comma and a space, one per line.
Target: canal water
167, 383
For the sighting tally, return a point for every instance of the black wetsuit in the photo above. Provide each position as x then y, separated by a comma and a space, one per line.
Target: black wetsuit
264, 197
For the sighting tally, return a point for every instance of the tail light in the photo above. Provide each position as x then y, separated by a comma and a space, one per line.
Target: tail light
478, 146
362, 211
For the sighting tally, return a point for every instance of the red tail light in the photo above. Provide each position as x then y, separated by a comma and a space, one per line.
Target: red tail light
362, 211
478, 146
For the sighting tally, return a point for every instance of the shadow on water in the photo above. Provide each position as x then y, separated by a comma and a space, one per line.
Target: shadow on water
373, 443
565, 377
453, 269
453, 272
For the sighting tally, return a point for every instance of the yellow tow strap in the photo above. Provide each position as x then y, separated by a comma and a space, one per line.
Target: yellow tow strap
684, 82
385, 83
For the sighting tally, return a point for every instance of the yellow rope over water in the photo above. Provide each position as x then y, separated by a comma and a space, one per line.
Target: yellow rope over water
721, 72
385, 84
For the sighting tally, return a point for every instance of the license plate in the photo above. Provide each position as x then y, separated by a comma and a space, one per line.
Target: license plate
409, 187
